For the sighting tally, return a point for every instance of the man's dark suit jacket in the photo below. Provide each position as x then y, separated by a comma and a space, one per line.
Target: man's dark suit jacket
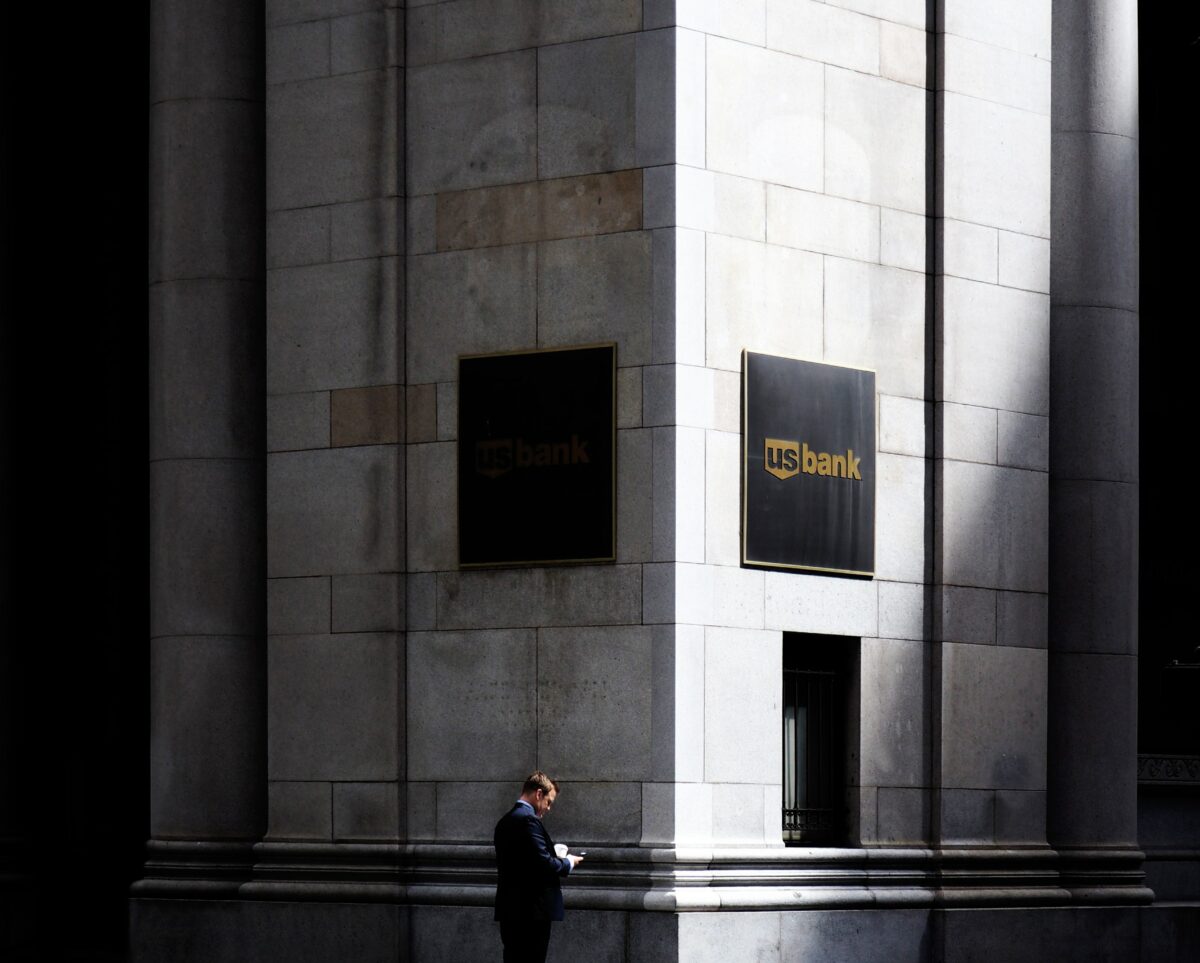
528, 887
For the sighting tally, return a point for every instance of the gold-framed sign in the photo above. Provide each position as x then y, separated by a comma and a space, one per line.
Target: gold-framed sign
808, 466
537, 457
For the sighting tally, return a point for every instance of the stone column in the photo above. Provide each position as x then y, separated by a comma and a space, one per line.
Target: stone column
1094, 443
207, 508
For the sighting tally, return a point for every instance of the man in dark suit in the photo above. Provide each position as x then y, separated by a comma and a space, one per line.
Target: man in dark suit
528, 894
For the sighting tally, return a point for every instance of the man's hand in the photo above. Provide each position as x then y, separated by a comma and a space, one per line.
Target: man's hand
575, 860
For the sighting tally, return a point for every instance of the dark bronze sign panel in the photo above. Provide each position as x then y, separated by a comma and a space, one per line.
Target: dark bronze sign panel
808, 465
537, 457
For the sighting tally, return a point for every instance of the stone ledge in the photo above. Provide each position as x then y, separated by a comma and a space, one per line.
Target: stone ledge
656, 880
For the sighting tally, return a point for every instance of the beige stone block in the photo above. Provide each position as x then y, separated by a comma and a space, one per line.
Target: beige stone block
669, 128
765, 115
1021, 619
420, 601
993, 73
875, 140
421, 413
737, 816
996, 165
447, 411
993, 717
501, 598
902, 53
298, 606
969, 433
817, 222
819, 31
969, 250
1005, 509
678, 297
366, 810
330, 139
902, 425
723, 479
967, 615
594, 705
875, 318
596, 289
334, 325
910, 12
420, 224
421, 810
366, 416
705, 201
540, 210
634, 495
997, 346
458, 29
370, 228
743, 20
586, 106
763, 297
1023, 441
902, 239
727, 401
299, 810
432, 509
334, 511
475, 696
298, 237
821, 603
900, 518
491, 295
471, 123
1021, 25
332, 707
298, 51
892, 741
296, 422
1025, 262
901, 610
742, 706
368, 603
629, 398
366, 41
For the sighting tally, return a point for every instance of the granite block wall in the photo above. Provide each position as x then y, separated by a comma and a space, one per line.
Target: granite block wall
991, 422
336, 421
687, 181
529, 127
799, 213
849, 182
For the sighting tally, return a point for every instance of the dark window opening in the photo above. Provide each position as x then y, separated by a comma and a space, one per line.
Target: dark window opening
1169, 523
816, 685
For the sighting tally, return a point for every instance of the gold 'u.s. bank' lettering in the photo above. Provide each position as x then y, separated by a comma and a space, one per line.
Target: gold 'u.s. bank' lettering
784, 458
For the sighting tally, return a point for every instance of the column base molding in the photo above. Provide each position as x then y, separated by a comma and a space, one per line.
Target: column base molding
654, 880
196, 868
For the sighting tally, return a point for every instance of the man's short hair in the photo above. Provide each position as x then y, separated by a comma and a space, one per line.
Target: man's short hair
539, 780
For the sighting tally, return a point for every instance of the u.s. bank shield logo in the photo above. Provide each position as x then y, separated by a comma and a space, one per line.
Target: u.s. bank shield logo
494, 458
781, 458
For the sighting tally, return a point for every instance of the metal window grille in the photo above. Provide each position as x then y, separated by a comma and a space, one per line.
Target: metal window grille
813, 739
